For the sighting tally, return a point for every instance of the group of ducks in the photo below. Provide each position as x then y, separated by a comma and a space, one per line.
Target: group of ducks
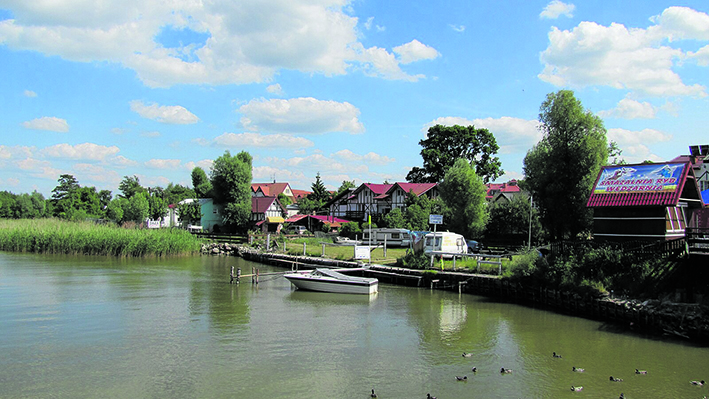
555, 356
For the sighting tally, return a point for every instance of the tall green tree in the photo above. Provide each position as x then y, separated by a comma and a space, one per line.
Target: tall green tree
201, 184
130, 185
65, 196
319, 193
509, 222
231, 181
463, 192
560, 170
174, 193
346, 185
444, 144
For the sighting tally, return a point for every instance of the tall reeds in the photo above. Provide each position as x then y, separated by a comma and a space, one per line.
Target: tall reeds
54, 236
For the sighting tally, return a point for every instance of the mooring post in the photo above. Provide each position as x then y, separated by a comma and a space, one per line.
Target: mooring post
385, 246
256, 276
238, 275
323, 250
253, 275
268, 242
231, 276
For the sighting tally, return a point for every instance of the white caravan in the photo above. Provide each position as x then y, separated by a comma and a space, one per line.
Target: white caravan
445, 242
393, 237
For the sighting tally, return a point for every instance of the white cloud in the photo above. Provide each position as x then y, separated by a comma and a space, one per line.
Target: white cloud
369, 158
15, 152
163, 163
557, 8
301, 115
122, 162
205, 164
678, 23
702, 56
261, 141
415, 51
630, 109
172, 114
511, 134
244, 44
87, 151
376, 61
615, 56
636, 144
275, 89
153, 133
51, 123
30, 93
457, 28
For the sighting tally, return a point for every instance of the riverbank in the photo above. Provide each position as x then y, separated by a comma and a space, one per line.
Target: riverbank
655, 317
55, 236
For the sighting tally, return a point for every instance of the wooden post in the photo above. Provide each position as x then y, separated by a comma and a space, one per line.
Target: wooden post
253, 274
268, 242
453, 262
238, 275
323, 250
431, 261
304, 245
385, 246
231, 276
257, 276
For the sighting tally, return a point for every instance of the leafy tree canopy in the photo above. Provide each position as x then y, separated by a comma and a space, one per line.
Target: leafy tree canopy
200, 182
231, 183
561, 169
463, 192
445, 144
129, 186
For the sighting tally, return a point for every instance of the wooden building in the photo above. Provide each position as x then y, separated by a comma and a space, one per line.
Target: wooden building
645, 202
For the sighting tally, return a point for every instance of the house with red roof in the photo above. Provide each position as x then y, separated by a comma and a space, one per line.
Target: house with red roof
316, 222
272, 190
267, 213
503, 191
376, 199
645, 201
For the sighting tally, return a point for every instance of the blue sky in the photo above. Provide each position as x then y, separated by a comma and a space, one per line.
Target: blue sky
106, 89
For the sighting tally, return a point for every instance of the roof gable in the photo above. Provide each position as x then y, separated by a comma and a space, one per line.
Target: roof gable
270, 189
417, 188
261, 204
639, 185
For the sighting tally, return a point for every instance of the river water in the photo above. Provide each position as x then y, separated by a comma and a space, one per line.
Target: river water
90, 327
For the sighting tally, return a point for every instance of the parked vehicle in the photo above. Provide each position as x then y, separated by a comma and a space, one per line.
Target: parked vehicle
297, 229
473, 246
445, 242
393, 237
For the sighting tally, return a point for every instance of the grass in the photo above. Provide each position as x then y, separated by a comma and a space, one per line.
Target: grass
314, 248
55, 236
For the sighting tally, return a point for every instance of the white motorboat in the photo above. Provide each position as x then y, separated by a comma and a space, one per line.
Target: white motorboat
326, 280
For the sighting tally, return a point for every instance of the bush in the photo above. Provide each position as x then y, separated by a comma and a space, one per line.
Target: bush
414, 260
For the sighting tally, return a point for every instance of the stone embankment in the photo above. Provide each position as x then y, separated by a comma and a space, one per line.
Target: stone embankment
683, 320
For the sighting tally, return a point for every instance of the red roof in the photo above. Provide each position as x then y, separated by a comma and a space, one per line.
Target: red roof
269, 189
261, 204
300, 194
639, 185
378, 189
417, 188
322, 218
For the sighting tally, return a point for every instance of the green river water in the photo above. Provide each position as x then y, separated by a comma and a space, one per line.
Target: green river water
89, 327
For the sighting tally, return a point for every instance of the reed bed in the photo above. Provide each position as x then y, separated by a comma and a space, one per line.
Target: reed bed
54, 236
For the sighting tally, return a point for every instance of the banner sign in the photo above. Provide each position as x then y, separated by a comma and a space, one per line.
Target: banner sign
639, 178
435, 219
361, 252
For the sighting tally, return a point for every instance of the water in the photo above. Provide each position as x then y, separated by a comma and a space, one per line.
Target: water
145, 328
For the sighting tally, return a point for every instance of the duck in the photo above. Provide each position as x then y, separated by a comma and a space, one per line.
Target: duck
622, 396
463, 378
475, 370
555, 356
373, 395
467, 354
576, 389
616, 379
428, 396
577, 369
505, 371
700, 383
640, 371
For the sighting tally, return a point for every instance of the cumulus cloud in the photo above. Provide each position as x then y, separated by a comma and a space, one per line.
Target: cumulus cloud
172, 114
457, 28
630, 109
243, 43
636, 144
50, 123
511, 134
205, 164
85, 151
701, 56
29, 93
261, 140
415, 51
557, 8
163, 163
275, 89
369, 158
639, 60
301, 115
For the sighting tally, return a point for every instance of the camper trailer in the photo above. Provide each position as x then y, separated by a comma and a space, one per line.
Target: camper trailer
393, 237
445, 242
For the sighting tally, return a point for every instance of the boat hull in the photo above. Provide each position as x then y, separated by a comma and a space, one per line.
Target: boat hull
317, 283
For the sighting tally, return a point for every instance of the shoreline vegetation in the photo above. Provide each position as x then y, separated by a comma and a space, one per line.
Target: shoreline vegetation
55, 236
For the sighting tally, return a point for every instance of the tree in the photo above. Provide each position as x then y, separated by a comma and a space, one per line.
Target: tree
231, 182
463, 192
136, 209
395, 219
346, 185
560, 170
157, 206
65, 196
190, 212
174, 193
445, 144
114, 211
284, 199
509, 222
200, 182
130, 186
316, 200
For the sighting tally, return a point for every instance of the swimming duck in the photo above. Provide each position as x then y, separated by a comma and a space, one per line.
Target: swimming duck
428, 396
622, 396
578, 370
505, 371
555, 356
475, 370
616, 379
700, 383
467, 354
576, 389
640, 371
463, 378
373, 395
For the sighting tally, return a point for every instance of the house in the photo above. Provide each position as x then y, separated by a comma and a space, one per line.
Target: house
503, 191
267, 213
645, 201
316, 222
272, 190
377, 199
396, 195
211, 213
699, 158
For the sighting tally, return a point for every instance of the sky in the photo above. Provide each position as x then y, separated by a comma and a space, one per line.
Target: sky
102, 89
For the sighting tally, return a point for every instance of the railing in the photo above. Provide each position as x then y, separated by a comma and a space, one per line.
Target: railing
697, 240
